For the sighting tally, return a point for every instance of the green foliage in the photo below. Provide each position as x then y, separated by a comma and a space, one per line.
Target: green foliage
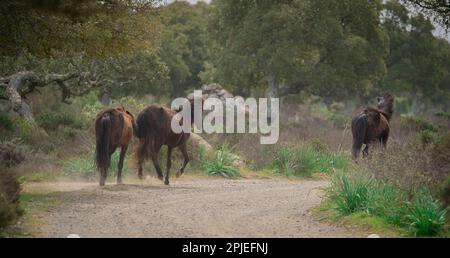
51, 120
418, 64
425, 215
307, 160
220, 164
30, 132
85, 167
319, 46
184, 44
10, 209
443, 114
5, 122
417, 123
351, 194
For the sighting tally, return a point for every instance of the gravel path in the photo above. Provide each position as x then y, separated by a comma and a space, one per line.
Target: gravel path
190, 207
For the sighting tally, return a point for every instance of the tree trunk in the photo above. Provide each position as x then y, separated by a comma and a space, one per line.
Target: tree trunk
18, 85
17, 82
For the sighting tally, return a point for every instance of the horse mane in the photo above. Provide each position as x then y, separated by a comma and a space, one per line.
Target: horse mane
368, 110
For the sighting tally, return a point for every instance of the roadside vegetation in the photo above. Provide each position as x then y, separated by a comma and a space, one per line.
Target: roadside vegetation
318, 66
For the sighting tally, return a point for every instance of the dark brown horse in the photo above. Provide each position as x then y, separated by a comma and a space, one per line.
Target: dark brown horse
113, 129
371, 125
153, 128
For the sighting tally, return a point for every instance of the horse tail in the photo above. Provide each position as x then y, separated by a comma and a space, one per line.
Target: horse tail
103, 132
141, 131
359, 129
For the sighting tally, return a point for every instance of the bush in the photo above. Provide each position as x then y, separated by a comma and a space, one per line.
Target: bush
10, 209
443, 114
51, 120
30, 132
220, 164
351, 194
5, 122
423, 216
10, 154
306, 160
417, 123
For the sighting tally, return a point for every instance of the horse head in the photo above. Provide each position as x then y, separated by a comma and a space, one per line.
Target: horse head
386, 104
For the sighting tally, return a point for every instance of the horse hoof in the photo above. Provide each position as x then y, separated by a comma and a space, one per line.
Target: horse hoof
161, 178
177, 175
166, 182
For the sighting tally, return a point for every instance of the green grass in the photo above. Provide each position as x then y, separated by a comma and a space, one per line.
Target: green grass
361, 194
425, 216
85, 167
220, 164
306, 160
443, 114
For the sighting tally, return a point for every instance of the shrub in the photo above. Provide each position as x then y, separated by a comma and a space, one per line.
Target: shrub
351, 194
51, 120
221, 163
10, 154
5, 122
417, 123
425, 215
306, 160
10, 209
30, 132
443, 114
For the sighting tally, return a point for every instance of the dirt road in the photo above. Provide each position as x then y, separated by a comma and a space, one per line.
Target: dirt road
190, 207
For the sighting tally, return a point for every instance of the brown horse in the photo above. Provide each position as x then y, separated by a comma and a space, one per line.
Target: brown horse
113, 129
153, 128
371, 125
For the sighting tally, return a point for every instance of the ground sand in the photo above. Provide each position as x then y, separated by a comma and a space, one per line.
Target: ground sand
189, 207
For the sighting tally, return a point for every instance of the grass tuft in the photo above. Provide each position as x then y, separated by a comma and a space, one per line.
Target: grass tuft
221, 164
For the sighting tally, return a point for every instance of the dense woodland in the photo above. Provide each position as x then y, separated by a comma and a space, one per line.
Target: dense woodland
336, 50
61, 61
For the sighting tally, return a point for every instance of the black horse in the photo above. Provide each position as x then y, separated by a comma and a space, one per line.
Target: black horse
153, 128
370, 125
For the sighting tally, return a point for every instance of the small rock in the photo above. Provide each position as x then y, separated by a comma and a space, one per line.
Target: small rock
373, 236
73, 236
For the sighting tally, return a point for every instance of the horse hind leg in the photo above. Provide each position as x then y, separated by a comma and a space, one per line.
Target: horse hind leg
154, 155
186, 159
123, 152
103, 173
366, 151
168, 165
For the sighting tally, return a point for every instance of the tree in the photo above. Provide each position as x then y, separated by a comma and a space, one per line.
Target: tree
330, 48
418, 63
77, 45
184, 44
438, 8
